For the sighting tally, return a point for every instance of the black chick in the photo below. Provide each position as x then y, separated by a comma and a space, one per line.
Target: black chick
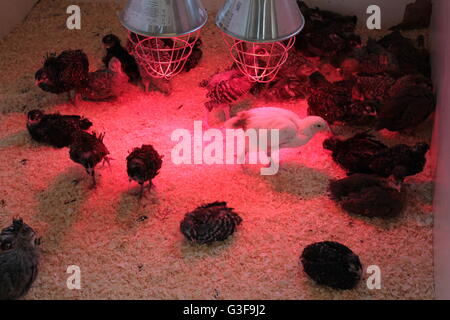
196, 55
210, 223
417, 16
410, 58
55, 129
367, 195
400, 161
411, 101
63, 73
143, 165
327, 34
372, 58
19, 260
114, 49
88, 150
329, 100
332, 264
356, 154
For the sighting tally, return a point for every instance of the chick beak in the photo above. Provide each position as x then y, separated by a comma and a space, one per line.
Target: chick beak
330, 131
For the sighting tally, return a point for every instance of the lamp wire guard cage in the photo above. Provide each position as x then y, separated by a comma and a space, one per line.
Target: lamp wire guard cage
162, 57
260, 62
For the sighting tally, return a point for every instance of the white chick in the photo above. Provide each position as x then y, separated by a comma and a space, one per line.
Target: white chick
293, 131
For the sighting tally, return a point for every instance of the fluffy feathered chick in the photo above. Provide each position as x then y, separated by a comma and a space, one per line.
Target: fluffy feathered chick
293, 131
143, 165
332, 264
88, 150
114, 49
63, 73
55, 129
372, 58
411, 59
196, 56
356, 154
372, 86
327, 34
367, 195
105, 84
400, 161
19, 260
210, 223
224, 89
411, 101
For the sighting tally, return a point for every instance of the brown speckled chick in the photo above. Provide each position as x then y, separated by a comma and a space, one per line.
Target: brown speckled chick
19, 260
89, 150
210, 223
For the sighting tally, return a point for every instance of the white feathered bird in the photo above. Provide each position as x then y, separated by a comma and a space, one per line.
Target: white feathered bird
293, 131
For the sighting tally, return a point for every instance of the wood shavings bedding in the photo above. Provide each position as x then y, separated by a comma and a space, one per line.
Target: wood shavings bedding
122, 257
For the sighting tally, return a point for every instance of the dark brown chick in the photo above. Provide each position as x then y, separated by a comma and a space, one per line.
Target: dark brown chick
367, 195
143, 165
400, 161
356, 154
411, 101
332, 264
55, 129
89, 150
19, 260
210, 223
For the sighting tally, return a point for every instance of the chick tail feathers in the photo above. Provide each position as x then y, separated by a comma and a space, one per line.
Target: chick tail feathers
238, 122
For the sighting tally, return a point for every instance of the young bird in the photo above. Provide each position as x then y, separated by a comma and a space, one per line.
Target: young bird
332, 264
411, 101
210, 223
19, 260
400, 161
367, 195
356, 154
143, 165
224, 89
55, 129
114, 49
105, 84
64, 73
293, 131
89, 150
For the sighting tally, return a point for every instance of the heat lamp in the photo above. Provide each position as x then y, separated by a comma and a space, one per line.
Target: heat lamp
162, 33
260, 34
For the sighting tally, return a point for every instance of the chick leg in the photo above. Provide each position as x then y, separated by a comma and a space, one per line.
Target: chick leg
227, 112
141, 191
94, 181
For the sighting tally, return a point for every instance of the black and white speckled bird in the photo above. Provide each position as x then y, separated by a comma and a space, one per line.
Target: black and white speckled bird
224, 89
114, 49
210, 223
55, 129
64, 73
89, 150
19, 260
143, 164
332, 264
367, 195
